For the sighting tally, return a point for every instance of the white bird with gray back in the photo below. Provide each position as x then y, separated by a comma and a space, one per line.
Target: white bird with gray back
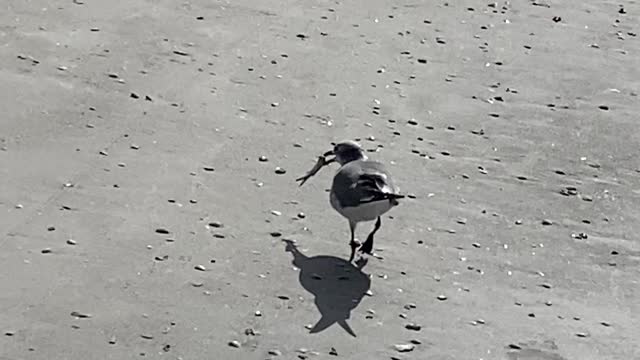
362, 190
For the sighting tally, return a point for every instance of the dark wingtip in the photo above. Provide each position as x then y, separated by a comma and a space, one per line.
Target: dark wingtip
396, 196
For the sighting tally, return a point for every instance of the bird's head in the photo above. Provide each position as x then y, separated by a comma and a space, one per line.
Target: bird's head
346, 151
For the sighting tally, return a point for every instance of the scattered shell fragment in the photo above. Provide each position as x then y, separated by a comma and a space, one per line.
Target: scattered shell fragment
404, 347
413, 327
80, 315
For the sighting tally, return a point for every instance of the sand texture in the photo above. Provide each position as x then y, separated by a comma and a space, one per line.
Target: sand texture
149, 151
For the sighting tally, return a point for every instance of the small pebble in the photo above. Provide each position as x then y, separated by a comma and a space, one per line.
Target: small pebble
280, 171
442, 297
263, 159
413, 327
234, 344
547, 222
404, 347
200, 268
274, 352
46, 251
80, 315
162, 231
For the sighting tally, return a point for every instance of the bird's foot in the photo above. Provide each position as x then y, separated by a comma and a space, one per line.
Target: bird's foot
367, 247
354, 246
361, 262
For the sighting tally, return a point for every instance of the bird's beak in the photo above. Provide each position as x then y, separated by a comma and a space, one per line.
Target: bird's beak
329, 153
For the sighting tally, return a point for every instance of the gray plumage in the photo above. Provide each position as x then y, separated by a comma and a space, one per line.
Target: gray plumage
361, 181
362, 190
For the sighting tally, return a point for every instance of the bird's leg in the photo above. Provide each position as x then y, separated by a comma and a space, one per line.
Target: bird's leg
354, 244
367, 247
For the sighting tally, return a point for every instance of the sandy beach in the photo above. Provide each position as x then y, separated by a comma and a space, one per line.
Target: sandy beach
149, 151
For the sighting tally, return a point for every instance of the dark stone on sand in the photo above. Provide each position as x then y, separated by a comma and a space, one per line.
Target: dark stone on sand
413, 327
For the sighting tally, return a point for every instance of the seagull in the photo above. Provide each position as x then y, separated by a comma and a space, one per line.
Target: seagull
362, 190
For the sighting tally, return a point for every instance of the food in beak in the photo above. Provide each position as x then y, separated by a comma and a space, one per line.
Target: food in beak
322, 161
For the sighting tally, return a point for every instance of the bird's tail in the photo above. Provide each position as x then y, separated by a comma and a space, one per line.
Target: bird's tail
393, 198
396, 196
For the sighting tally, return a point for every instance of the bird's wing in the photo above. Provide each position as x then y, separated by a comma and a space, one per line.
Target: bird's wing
373, 187
362, 182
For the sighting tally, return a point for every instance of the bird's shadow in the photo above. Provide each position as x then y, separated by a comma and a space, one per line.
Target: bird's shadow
337, 285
